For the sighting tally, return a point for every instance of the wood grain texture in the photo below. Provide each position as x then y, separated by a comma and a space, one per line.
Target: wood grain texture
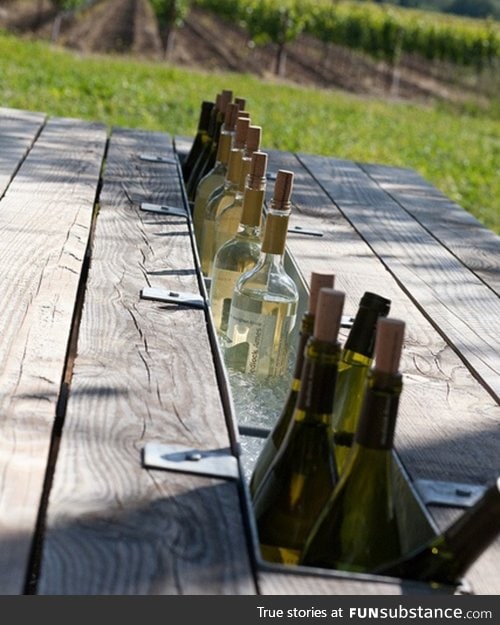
457, 303
45, 220
144, 372
448, 424
18, 131
477, 247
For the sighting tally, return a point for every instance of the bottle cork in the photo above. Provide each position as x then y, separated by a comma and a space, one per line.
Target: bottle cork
317, 282
282, 188
225, 98
230, 117
257, 171
328, 314
241, 102
389, 344
253, 139
241, 132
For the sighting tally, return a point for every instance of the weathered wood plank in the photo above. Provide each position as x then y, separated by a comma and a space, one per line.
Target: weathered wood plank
457, 303
443, 409
143, 373
45, 222
18, 131
456, 229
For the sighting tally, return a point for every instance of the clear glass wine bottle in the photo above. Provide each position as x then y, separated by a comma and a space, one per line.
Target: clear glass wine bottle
264, 303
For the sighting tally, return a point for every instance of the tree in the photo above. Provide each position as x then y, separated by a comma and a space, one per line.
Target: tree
63, 8
170, 15
278, 23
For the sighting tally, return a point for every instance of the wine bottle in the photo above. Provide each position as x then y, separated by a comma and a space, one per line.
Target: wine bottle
217, 174
214, 126
218, 200
276, 436
222, 225
225, 222
264, 303
356, 360
201, 139
303, 473
242, 252
357, 529
446, 558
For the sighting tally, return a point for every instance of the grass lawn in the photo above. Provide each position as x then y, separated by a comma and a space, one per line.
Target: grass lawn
457, 150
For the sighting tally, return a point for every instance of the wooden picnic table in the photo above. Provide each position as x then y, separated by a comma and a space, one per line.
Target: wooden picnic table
96, 372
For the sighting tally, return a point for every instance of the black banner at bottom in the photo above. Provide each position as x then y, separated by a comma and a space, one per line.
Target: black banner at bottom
263, 610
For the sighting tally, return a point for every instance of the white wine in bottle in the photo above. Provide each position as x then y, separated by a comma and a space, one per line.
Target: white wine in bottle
264, 303
242, 251
217, 174
445, 559
227, 221
358, 529
303, 473
219, 199
275, 438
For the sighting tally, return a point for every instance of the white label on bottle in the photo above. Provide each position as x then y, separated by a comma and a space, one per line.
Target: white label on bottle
266, 351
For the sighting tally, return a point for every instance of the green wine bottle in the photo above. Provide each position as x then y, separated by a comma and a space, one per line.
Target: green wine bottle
214, 125
303, 473
275, 438
445, 559
201, 139
355, 362
357, 529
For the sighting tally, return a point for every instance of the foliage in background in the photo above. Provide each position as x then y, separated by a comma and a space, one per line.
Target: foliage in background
378, 29
459, 153
170, 15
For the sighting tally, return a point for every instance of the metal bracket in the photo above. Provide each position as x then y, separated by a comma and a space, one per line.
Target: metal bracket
452, 494
157, 158
214, 462
163, 210
192, 300
309, 231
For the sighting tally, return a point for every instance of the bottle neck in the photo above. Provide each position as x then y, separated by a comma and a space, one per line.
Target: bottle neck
253, 199
249, 232
305, 333
377, 420
224, 147
275, 232
469, 536
361, 337
317, 385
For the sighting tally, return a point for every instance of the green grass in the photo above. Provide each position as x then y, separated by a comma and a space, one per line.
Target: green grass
457, 150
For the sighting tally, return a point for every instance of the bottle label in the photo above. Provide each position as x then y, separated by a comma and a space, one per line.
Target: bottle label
259, 342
